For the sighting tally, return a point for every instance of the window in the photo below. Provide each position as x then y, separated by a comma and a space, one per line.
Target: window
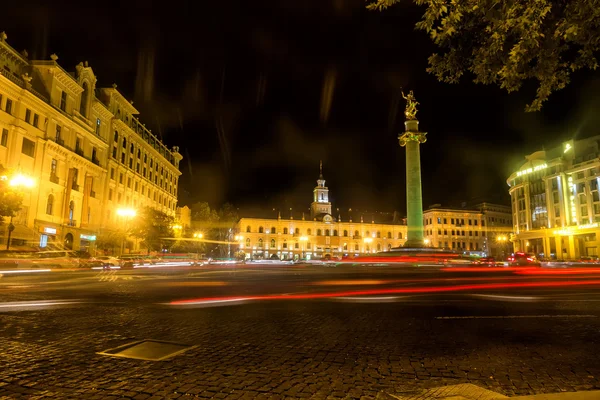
28, 147
58, 131
475, 222
124, 143
439, 220
309, 231
297, 231
78, 145
389, 235
335, 232
399, 235
260, 242
285, 231
136, 186
110, 194
356, 247
445, 232
53, 167
248, 242
260, 229
129, 182
272, 243
121, 178
326, 232
439, 231
123, 158
139, 154
28, 115
36, 120
356, 234
452, 220
63, 100
145, 158
273, 230
470, 233
318, 232
114, 153
131, 163
445, 221
8, 107
378, 235
4, 138
75, 176
470, 222
137, 168
131, 148
345, 233
144, 172
50, 204
112, 174
453, 232
71, 210
248, 229
284, 244
98, 126
368, 234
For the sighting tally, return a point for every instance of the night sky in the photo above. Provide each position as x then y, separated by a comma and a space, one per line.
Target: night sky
238, 86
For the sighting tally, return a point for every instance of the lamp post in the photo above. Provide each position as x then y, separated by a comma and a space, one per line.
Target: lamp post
18, 181
502, 239
126, 214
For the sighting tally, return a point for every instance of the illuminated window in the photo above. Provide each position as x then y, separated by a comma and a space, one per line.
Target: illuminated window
248, 229
50, 204
273, 230
296, 245
260, 229
346, 234
272, 243
260, 242
368, 234
285, 231
439, 220
247, 242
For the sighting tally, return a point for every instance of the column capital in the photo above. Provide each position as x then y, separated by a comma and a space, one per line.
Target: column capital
412, 137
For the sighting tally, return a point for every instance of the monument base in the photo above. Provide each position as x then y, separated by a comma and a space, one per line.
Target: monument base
414, 244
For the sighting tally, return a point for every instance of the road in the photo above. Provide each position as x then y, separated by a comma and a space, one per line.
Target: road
303, 331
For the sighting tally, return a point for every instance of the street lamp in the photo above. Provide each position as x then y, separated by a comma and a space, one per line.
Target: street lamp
18, 181
426, 241
126, 214
198, 235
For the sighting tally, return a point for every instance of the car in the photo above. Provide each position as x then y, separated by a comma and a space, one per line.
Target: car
108, 262
523, 259
487, 261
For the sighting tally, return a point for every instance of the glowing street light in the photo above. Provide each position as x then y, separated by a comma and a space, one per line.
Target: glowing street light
18, 181
303, 238
239, 238
198, 235
126, 212
426, 241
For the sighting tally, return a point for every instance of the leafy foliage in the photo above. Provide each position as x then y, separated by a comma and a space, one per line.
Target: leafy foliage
215, 225
509, 42
10, 200
150, 226
109, 240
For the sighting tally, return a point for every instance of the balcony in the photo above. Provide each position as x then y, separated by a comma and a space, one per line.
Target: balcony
54, 178
75, 186
72, 222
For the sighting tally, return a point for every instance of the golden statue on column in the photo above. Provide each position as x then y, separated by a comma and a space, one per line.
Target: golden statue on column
410, 112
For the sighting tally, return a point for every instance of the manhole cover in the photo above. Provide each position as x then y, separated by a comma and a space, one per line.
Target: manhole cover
151, 350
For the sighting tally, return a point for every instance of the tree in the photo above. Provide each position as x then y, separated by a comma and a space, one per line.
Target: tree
10, 200
509, 42
215, 225
109, 240
151, 226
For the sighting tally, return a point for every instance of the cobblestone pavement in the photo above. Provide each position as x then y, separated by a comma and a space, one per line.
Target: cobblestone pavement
291, 349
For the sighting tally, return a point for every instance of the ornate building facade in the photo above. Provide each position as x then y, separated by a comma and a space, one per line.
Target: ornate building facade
555, 201
322, 233
83, 147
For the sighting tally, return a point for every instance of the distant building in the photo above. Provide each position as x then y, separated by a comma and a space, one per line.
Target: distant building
85, 149
482, 229
184, 217
321, 233
555, 200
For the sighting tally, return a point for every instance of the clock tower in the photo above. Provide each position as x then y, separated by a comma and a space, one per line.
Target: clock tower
320, 204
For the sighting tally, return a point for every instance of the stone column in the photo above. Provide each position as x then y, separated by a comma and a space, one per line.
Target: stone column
411, 139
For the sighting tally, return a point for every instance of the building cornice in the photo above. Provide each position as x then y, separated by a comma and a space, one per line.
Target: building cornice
101, 109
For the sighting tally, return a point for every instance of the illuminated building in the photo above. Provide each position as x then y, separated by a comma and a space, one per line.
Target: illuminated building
555, 201
321, 233
87, 153
478, 230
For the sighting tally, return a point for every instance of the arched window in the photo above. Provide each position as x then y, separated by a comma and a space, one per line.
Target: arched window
297, 231
247, 242
356, 247
345, 246
309, 231
345, 233
399, 235
273, 230
326, 232
335, 232
131, 148
84, 99
71, 210
378, 235
260, 229
356, 233
296, 245
318, 232
284, 244
272, 243
124, 143
116, 137
50, 204
378, 247
389, 235
248, 229
285, 231
260, 242
368, 234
